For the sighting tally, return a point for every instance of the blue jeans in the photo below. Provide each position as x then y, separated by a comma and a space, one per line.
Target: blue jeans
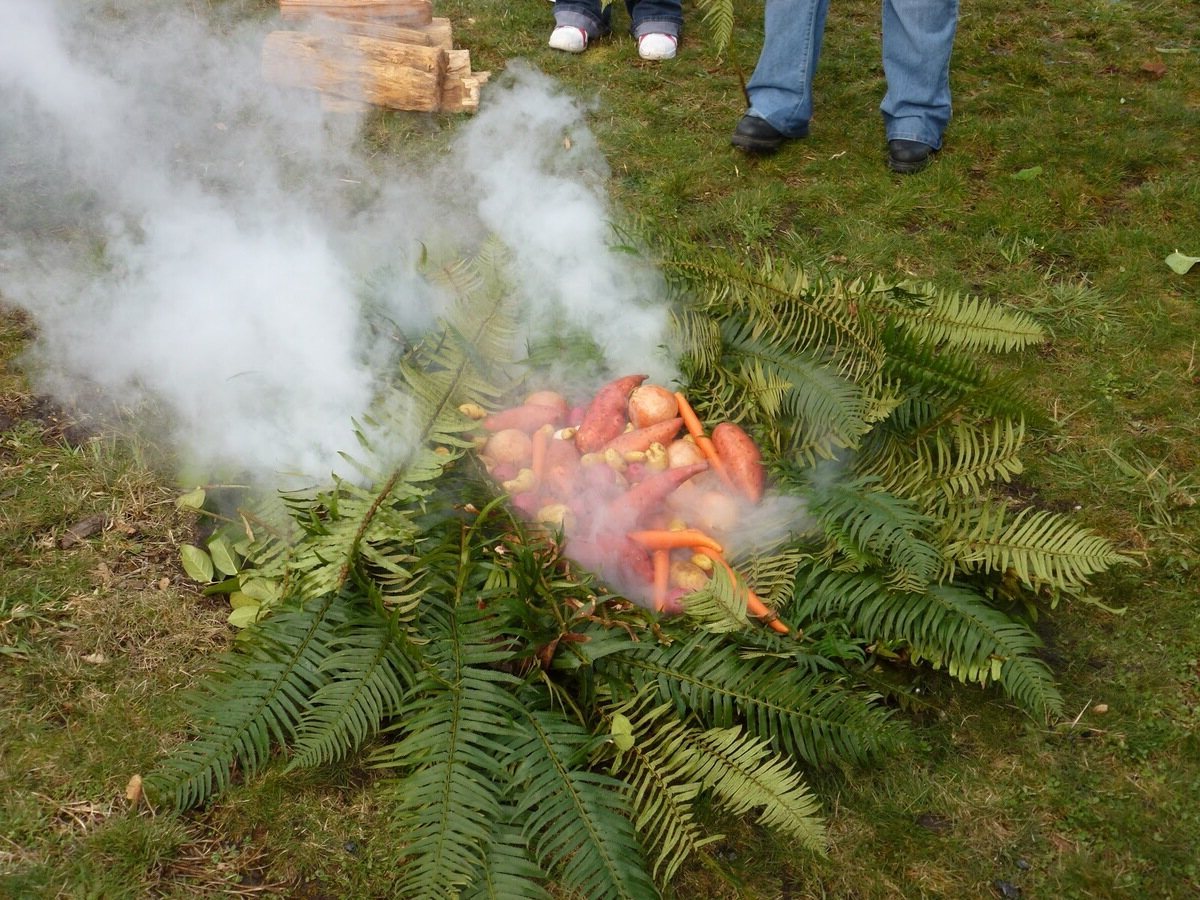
645, 16
918, 36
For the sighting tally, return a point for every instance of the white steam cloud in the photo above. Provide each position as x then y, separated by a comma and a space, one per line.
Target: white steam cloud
189, 239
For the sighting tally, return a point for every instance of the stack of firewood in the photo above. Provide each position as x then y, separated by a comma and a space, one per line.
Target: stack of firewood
359, 53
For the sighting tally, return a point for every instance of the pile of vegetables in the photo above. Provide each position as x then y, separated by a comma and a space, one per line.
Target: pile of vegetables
637, 489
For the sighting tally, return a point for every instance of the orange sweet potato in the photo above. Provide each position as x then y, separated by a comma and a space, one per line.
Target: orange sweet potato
741, 458
528, 417
605, 416
642, 438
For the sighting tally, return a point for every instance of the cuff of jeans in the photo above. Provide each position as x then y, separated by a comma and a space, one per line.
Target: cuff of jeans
657, 26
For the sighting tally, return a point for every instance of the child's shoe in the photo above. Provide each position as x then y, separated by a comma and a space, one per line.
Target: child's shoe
569, 38
657, 46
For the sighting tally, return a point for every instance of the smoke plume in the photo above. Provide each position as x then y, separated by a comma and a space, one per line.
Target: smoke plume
191, 241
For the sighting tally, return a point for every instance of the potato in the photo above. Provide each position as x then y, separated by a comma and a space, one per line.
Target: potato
650, 404
683, 453
687, 575
509, 445
549, 398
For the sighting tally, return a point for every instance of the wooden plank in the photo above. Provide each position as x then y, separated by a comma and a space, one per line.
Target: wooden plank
392, 12
396, 76
419, 36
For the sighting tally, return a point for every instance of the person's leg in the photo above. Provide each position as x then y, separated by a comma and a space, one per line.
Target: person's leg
656, 26
780, 87
576, 22
655, 17
918, 36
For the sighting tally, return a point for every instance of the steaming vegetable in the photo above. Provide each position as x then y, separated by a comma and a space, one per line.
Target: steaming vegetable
605, 416
509, 445
528, 418
742, 459
650, 404
642, 438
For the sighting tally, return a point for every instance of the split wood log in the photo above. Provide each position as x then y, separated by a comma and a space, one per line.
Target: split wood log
398, 34
460, 90
383, 73
394, 12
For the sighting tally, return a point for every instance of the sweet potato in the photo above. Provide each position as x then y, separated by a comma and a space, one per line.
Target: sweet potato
648, 495
605, 416
642, 438
528, 417
742, 459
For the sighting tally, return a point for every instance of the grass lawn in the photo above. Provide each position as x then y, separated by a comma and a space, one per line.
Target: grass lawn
1071, 170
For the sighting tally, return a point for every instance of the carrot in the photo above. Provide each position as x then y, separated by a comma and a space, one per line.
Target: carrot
696, 429
684, 538
754, 604
538, 447
662, 577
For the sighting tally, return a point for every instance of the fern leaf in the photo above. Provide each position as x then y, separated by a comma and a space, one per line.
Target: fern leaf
802, 714
878, 524
1040, 547
744, 775
662, 786
950, 317
507, 872
368, 673
576, 820
255, 698
718, 16
966, 461
947, 625
456, 722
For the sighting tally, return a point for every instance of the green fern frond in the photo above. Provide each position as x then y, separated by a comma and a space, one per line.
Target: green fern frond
720, 606
507, 872
806, 715
962, 461
879, 525
942, 316
815, 410
662, 789
456, 724
368, 672
1040, 547
256, 698
576, 821
718, 16
947, 625
744, 774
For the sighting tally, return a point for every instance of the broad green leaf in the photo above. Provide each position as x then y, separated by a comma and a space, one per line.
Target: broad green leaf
622, 732
1181, 264
263, 590
244, 615
238, 599
196, 563
192, 499
1026, 174
223, 556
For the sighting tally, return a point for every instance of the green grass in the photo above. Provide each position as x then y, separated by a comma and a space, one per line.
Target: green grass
1070, 171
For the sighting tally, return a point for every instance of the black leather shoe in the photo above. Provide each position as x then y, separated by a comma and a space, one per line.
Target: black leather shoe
756, 135
908, 157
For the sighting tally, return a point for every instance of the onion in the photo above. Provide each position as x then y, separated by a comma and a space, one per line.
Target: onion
650, 404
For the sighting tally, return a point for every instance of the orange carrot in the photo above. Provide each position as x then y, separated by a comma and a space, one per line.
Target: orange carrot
696, 429
538, 446
754, 604
690, 420
684, 538
662, 577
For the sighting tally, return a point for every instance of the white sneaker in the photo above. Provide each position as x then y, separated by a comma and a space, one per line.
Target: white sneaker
657, 46
568, 38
